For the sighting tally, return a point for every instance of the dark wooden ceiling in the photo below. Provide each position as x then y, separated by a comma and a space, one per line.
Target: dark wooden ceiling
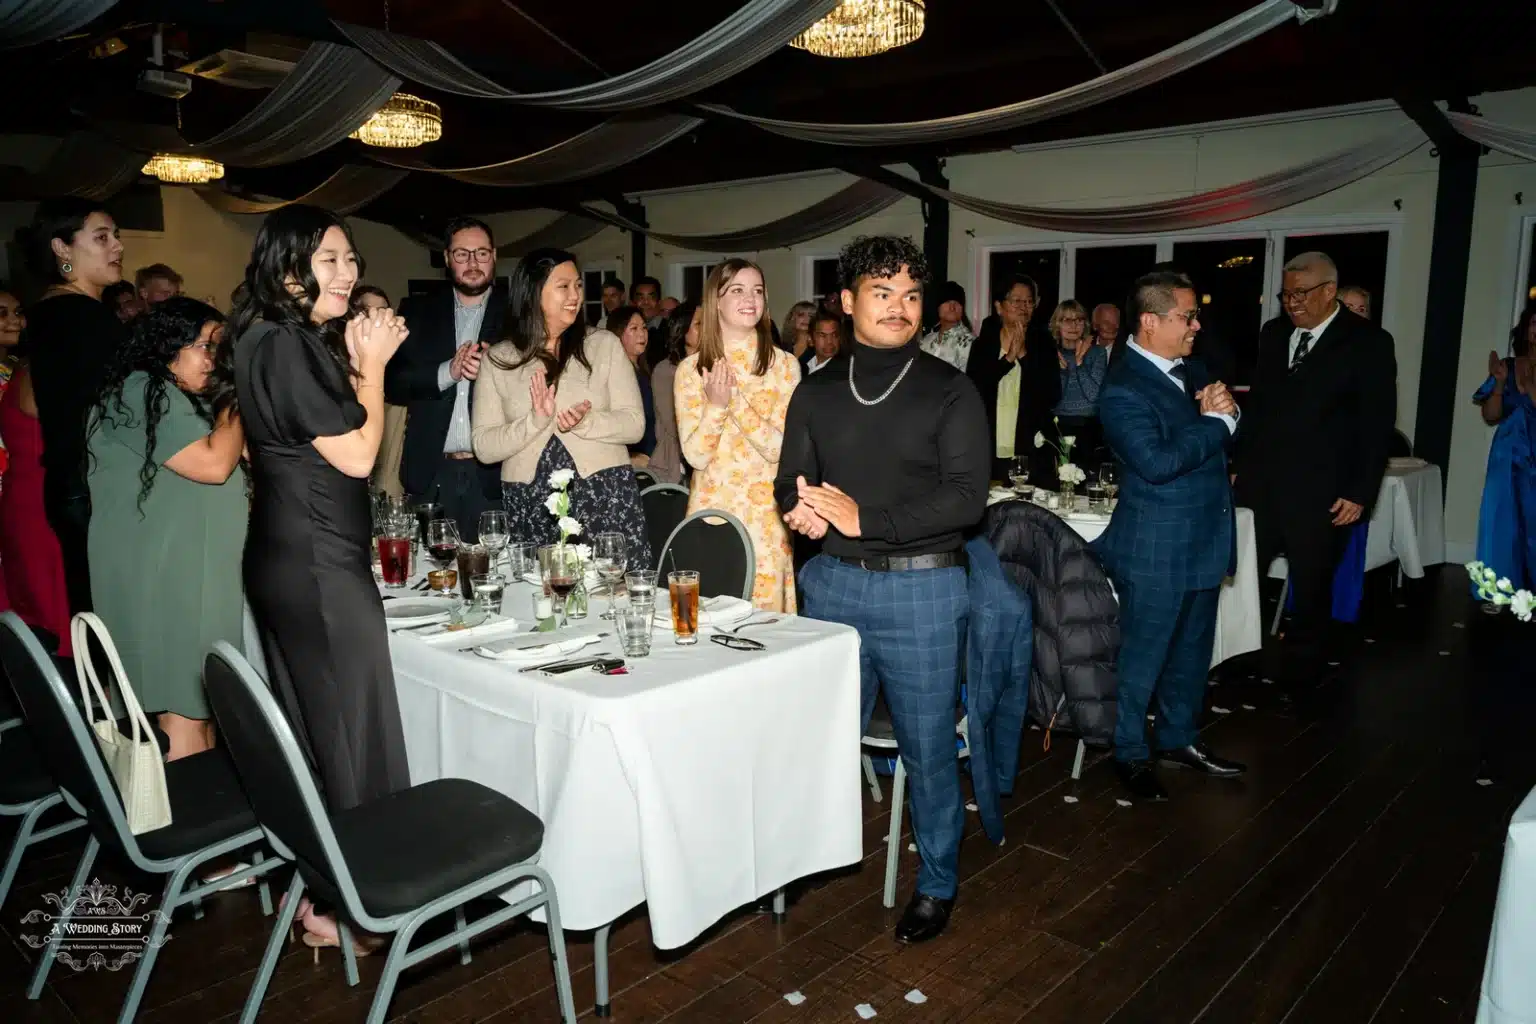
972, 55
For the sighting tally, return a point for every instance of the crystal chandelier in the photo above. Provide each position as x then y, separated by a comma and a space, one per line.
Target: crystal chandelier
863, 28
403, 122
184, 170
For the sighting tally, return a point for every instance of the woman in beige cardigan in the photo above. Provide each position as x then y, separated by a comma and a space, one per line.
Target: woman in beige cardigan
553, 397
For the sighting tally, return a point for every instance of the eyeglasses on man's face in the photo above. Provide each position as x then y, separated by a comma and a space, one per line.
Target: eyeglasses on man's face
462, 256
1299, 294
1190, 317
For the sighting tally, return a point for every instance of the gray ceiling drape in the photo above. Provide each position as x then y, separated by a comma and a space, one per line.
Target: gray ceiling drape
349, 189
29, 22
848, 206
84, 164
745, 37
1212, 43
564, 232
611, 144
330, 92
1236, 202
1501, 138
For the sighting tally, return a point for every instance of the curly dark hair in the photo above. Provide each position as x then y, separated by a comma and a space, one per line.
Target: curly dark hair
880, 256
158, 336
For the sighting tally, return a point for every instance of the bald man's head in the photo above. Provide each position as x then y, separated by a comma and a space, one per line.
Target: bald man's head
1106, 323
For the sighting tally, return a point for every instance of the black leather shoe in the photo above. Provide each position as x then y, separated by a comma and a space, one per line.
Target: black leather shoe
924, 918
1140, 780
1199, 758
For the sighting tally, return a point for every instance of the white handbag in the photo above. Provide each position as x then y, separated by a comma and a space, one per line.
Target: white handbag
134, 761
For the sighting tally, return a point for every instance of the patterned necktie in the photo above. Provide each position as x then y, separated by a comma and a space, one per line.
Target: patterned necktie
1302, 345
1180, 374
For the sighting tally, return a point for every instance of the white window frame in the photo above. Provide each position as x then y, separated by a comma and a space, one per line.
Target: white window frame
807, 281
1274, 229
604, 267
1524, 224
674, 278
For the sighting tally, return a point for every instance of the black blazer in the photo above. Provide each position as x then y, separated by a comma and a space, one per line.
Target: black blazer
1322, 433
1039, 390
410, 380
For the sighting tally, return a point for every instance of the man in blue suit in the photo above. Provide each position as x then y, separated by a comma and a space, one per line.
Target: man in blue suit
1171, 541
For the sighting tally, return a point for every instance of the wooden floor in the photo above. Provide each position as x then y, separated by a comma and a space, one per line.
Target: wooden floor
1350, 878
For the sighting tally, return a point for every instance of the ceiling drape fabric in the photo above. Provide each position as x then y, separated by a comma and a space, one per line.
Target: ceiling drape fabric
1235, 202
349, 189
745, 37
1501, 138
612, 144
564, 232
29, 22
89, 166
1212, 43
848, 206
329, 93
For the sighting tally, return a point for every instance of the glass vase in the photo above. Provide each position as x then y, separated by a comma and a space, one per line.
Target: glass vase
576, 603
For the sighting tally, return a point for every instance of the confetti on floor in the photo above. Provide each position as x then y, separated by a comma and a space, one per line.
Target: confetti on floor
1334, 664
1485, 782
911, 847
971, 806
864, 1010
1369, 640
1249, 707
794, 998
1069, 799
1267, 682
1445, 654
916, 996
1220, 711
1122, 803
1458, 625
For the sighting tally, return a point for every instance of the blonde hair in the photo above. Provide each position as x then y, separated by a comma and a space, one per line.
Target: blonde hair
1064, 307
711, 338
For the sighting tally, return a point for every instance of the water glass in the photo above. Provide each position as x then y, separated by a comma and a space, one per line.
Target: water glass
488, 590
522, 559
683, 587
640, 585
1096, 496
634, 621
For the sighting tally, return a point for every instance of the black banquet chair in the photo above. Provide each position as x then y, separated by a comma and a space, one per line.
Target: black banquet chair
1399, 447
644, 478
210, 816
467, 841
717, 545
665, 506
27, 791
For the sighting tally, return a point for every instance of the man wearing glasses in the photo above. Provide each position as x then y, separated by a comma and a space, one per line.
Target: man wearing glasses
433, 375
1314, 446
1172, 539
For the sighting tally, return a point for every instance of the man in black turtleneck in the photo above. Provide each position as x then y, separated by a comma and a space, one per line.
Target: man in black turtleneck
886, 455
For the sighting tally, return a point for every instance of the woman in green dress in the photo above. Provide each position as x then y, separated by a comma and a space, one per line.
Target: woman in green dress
168, 516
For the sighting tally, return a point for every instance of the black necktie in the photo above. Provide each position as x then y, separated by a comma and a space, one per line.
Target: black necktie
1180, 374
1302, 345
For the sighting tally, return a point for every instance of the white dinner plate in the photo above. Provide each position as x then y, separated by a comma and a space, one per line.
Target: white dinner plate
406, 612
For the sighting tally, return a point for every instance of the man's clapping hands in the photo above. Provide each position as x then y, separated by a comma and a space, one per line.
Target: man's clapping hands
1215, 398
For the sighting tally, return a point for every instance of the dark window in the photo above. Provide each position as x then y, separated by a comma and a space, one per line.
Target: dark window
1361, 258
693, 280
1104, 273
1530, 270
1229, 283
592, 282
1044, 265
824, 277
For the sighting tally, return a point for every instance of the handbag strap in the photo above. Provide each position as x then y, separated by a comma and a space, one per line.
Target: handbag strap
82, 627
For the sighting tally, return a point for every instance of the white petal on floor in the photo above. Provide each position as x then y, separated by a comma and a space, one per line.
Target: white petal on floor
864, 1010
1369, 640
1220, 711
1069, 799
1445, 654
794, 998
911, 847
1334, 664
1122, 803
1249, 707
916, 996
1485, 782
1458, 625
971, 806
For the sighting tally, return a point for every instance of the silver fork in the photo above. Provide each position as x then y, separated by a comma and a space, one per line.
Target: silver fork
749, 624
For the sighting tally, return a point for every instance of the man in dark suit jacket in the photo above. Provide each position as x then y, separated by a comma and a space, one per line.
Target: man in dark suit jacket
1316, 433
433, 375
1172, 539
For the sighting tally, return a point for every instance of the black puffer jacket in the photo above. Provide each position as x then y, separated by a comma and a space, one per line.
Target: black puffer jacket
1077, 619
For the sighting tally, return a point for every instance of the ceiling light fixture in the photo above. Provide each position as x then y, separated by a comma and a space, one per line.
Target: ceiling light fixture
863, 28
403, 122
184, 170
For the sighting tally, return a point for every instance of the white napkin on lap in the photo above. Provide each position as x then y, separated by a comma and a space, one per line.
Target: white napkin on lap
713, 611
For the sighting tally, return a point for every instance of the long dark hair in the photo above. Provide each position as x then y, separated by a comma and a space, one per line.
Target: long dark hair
284, 251
61, 218
526, 329
676, 325
158, 336
1519, 338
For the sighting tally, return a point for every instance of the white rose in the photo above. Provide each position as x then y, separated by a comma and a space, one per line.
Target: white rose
1039, 439
1490, 575
553, 503
1069, 440
568, 526
1499, 599
1523, 604
1506, 586
583, 551
562, 478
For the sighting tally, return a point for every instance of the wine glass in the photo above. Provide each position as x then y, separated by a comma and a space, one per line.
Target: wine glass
560, 566
495, 532
1018, 474
442, 542
1109, 476
609, 560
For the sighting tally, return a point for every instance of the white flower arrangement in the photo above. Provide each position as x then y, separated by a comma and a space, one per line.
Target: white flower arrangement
1063, 455
559, 504
1070, 473
1500, 592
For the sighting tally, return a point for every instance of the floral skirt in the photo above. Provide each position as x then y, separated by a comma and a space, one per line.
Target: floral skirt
608, 501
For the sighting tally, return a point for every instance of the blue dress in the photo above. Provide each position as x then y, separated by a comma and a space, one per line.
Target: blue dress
1506, 523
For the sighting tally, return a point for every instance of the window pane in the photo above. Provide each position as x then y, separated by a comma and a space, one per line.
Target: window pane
1229, 280
1043, 265
824, 278
1361, 258
1105, 273
693, 283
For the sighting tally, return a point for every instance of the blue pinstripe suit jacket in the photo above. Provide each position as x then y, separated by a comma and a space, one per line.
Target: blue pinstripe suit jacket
1174, 525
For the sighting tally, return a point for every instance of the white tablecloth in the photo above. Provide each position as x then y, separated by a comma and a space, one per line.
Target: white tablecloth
704, 779
1239, 619
1407, 524
1509, 984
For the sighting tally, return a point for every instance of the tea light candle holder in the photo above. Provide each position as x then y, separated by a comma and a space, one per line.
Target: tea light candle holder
442, 580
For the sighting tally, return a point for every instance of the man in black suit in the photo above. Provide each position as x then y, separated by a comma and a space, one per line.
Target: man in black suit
433, 375
1313, 445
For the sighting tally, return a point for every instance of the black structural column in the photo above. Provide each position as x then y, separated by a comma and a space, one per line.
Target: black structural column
1451, 247
930, 171
637, 239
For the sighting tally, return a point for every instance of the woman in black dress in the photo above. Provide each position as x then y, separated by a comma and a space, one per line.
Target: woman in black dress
1014, 357
309, 380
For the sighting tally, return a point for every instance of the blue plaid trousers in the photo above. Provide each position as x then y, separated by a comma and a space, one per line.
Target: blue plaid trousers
911, 633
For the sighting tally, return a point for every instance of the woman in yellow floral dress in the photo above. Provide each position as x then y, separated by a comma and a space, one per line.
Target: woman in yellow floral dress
731, 396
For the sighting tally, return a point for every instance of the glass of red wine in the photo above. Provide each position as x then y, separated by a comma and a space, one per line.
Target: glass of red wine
560, 566
442, 542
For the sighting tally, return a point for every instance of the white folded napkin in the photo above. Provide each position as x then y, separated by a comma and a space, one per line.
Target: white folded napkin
1406, 462
591, 579
550, 650
713, 611
491, 629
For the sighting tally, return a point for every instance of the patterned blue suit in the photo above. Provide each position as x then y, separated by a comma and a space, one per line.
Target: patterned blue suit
1169, 545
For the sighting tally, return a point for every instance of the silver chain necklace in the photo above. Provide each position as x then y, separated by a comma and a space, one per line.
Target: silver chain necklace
876, 401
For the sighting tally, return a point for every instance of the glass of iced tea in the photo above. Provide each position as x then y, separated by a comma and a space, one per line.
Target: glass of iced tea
474, 560
684, 588
394, 542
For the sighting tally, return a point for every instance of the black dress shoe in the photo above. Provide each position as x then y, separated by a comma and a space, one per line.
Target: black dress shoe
924, 918
1199, 758
1140, 780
